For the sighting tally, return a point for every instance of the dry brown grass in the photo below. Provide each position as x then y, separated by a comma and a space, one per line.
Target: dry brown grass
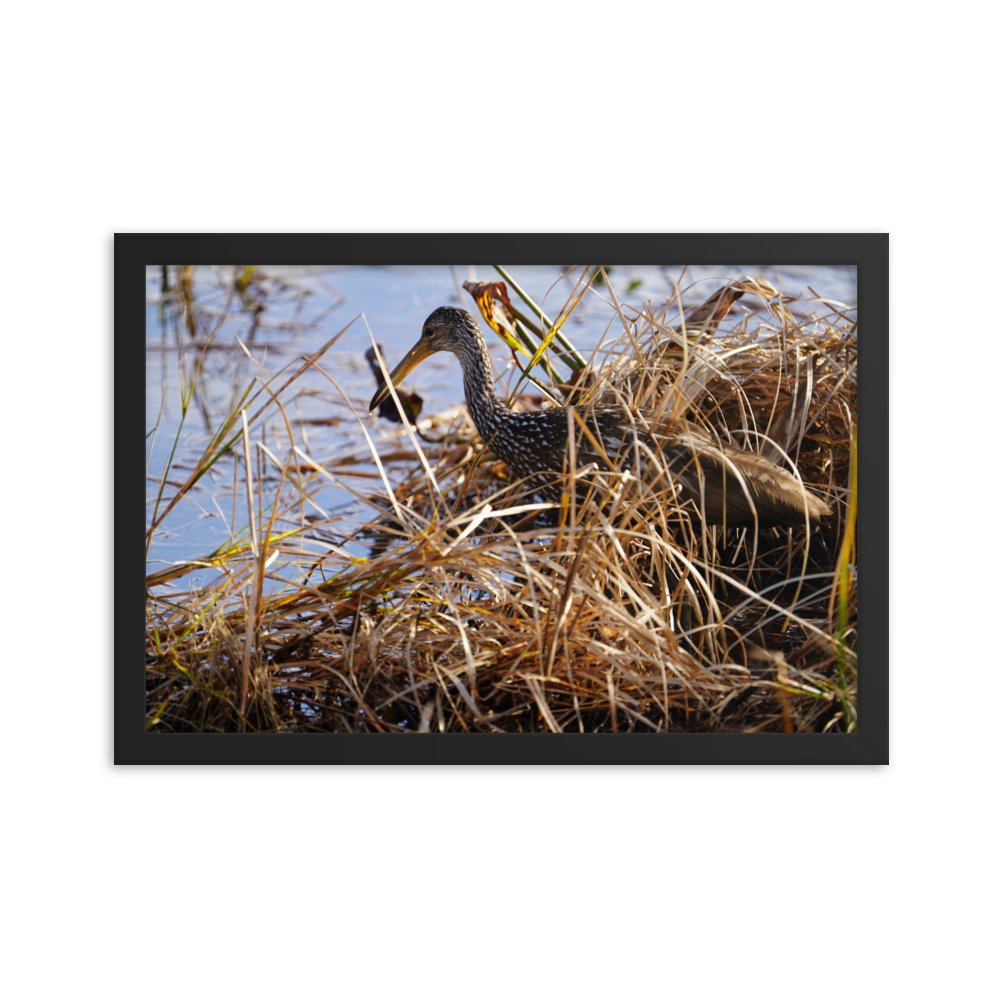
479, 610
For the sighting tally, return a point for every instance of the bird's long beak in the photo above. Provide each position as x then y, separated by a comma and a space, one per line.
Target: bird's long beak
419, 352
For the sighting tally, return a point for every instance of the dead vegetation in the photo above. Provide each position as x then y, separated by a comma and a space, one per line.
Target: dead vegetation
458, 603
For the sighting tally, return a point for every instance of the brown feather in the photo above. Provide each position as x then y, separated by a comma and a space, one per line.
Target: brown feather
705, 473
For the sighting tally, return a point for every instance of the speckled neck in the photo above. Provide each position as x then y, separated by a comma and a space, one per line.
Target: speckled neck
488, 412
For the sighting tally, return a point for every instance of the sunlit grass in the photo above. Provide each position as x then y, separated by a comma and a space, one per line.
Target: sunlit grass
477, 609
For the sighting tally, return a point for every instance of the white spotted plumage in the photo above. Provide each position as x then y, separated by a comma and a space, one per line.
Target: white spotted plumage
718, 480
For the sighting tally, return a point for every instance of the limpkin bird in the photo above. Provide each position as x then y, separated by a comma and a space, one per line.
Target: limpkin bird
718, 483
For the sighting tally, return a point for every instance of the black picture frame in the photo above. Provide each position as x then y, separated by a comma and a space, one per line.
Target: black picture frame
868, 251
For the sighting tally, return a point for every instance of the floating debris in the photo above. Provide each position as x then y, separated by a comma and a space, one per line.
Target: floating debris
412, 402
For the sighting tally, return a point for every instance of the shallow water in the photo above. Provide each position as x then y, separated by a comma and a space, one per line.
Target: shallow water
304, 308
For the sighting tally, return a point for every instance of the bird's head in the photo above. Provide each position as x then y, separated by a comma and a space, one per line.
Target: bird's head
446, 329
